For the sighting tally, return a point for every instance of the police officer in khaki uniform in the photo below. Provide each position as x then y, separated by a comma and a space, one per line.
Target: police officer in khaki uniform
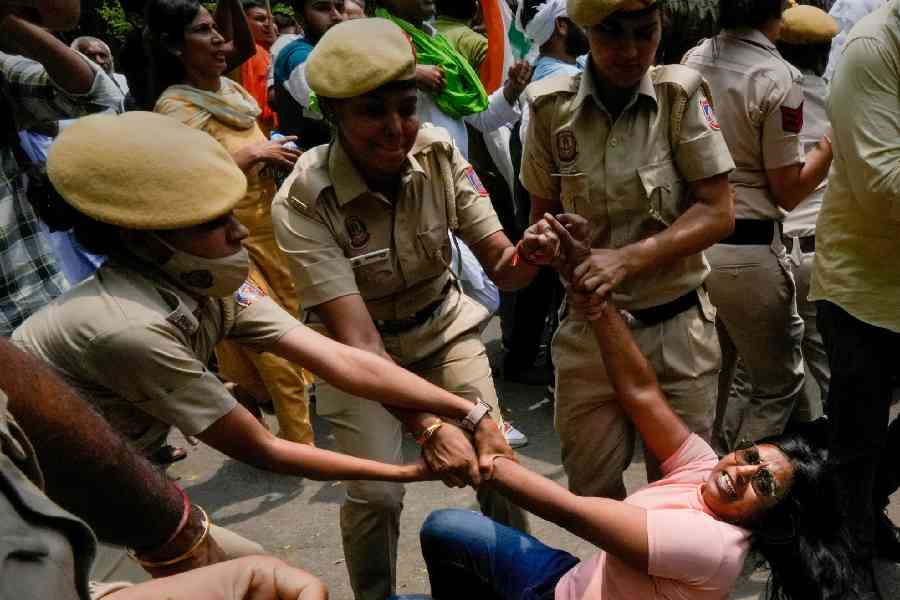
136, 338
364, 222
760, 108
638, 152
806, 42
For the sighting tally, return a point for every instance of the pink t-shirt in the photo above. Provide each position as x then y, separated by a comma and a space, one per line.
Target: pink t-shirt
693, 555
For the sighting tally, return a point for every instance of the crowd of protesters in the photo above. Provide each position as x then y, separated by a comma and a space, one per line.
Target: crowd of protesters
321, 208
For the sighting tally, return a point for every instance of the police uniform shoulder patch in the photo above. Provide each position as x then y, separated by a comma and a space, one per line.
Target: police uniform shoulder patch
473, 178
792, 118
248, 293
709, 114
357, 232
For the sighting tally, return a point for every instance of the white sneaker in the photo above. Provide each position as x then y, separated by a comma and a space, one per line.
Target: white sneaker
514, 437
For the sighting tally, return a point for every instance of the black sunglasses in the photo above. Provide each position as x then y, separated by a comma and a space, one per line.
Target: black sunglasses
763, 481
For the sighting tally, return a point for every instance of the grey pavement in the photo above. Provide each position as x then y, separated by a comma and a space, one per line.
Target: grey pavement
297, 519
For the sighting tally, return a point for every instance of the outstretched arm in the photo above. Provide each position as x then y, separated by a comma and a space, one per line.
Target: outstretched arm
632, 377
240, 435
617, 527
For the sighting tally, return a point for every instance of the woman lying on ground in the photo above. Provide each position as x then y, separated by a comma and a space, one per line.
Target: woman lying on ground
684, 536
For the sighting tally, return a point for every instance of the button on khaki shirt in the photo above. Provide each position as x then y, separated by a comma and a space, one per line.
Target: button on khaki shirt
759, 102
137, 346
342, 238
858, 231
623, 174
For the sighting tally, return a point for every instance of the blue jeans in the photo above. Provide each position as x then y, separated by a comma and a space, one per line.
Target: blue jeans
470, 556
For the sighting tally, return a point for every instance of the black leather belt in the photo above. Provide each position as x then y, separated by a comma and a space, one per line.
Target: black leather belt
657, 314
807, 243
751, 232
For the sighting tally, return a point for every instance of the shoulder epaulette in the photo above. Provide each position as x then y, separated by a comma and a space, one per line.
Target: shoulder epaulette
549, 87
312, 178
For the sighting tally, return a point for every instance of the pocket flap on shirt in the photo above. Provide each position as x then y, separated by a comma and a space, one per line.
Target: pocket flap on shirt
658, 175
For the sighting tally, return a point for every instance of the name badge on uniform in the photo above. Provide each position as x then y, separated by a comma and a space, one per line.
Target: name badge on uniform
370, 258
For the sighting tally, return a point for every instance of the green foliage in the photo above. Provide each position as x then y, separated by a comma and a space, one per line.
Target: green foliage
117, 23
283, 9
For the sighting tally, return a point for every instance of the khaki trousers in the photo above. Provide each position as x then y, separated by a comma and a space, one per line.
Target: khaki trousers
755, 296
597, 437
113, 563
448, 352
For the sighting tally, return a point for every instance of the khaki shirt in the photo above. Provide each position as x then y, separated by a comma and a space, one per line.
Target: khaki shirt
759, 101
45, 551
137, 346
342, 238
624, 174
858, 231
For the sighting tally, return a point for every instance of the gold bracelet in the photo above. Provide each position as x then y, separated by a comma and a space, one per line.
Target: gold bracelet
429, 433
184, 556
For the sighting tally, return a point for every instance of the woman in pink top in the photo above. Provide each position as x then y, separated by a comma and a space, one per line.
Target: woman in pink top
683, 537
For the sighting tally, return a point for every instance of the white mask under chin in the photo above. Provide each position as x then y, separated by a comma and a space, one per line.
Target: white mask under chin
213, 277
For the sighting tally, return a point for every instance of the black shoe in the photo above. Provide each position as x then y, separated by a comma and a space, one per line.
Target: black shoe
887, 538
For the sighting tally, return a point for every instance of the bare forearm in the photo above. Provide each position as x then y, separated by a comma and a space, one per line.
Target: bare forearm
98, 463
282, 456
55, 15
510, 277
232, 24
368, 372
68, 69
604, 522
701, 226
792, 185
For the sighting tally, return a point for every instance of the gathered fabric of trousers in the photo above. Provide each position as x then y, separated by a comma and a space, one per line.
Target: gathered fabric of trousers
755, 297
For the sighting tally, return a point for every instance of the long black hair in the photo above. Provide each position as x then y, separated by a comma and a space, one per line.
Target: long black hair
804, 538
165, 22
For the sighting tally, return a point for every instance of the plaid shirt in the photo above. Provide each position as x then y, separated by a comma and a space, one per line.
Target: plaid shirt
29, 277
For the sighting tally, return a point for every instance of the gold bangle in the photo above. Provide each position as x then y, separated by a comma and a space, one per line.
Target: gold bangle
429, 433
184, 556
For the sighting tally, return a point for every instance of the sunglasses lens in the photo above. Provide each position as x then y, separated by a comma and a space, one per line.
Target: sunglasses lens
764, 482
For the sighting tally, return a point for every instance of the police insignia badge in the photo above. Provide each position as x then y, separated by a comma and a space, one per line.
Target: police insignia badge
247, 294
566, 145
476, 181
359, 234
709, 114
792, 119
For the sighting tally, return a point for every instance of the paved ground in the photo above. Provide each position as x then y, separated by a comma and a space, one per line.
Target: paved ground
297, 520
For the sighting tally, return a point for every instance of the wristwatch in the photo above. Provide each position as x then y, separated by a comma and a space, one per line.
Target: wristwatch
471, 420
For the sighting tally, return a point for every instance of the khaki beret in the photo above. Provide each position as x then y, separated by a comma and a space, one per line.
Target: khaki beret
804, 24
142, 170
592, 12
358, 56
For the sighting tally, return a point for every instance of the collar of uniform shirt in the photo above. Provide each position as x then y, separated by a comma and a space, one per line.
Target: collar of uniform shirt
754, 36
588, 87
348, 182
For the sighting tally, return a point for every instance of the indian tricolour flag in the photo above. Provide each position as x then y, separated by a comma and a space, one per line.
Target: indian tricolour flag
506, 43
